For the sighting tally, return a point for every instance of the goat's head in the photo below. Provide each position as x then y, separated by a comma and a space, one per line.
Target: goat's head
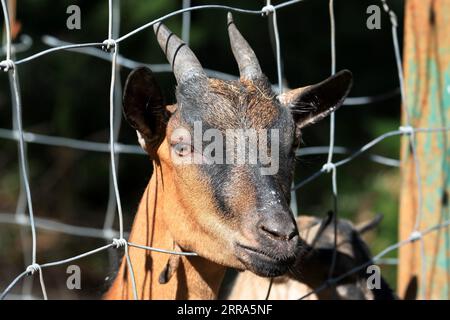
234, 213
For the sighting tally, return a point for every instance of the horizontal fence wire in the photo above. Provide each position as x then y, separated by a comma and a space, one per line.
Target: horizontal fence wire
165, 67
84, 145
108, 50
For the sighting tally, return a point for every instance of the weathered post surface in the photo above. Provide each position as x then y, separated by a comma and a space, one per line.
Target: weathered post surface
427, 89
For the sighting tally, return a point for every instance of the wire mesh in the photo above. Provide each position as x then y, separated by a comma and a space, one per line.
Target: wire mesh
109, 50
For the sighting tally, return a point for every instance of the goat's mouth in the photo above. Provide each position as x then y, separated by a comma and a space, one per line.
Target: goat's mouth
262, 262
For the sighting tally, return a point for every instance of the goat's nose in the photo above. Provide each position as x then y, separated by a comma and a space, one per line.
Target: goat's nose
278, 230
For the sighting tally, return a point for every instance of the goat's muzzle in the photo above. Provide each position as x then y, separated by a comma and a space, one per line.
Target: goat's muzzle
274, 248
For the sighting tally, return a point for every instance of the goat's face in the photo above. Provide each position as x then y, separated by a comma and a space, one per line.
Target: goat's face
227, 148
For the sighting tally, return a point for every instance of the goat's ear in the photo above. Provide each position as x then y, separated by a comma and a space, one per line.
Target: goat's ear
313, 103
143, 107
366, 226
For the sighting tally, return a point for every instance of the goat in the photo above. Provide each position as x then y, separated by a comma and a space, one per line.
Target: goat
231, 215
312, 268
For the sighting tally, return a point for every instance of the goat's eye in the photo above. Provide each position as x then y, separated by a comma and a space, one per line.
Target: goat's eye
182, 149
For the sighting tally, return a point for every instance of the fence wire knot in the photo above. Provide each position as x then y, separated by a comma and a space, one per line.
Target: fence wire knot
109, 45
393, 18
6, 65
120, 242
33, 268
406, 130
392, 15
268, 9
415, 235
385, 6
328, 167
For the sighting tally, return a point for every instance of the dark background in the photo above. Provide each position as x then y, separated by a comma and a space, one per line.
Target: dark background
67, 94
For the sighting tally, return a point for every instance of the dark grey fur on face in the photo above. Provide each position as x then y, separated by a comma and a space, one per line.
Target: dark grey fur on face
224, 105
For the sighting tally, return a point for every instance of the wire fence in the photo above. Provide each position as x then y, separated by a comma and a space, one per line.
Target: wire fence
109, 50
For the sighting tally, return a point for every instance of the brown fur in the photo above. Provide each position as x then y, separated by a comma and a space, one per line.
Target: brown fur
183, 193
241, 102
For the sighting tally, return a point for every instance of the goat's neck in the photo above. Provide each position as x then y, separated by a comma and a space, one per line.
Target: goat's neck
195, 278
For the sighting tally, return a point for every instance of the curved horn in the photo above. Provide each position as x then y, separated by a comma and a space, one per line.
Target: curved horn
183, 61
245, 57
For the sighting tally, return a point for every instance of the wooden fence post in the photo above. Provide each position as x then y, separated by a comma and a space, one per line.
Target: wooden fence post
427, 86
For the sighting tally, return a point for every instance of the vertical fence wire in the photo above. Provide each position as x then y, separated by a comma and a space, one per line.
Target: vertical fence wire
111, 208
23, 162
112, 204
186, 22
111, 44
329, 166
21, 205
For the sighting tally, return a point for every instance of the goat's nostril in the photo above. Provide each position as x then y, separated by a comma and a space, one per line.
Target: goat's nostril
277, 233
273, 232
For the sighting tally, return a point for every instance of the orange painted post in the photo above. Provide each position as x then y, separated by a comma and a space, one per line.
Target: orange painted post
15, 24
427, 88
